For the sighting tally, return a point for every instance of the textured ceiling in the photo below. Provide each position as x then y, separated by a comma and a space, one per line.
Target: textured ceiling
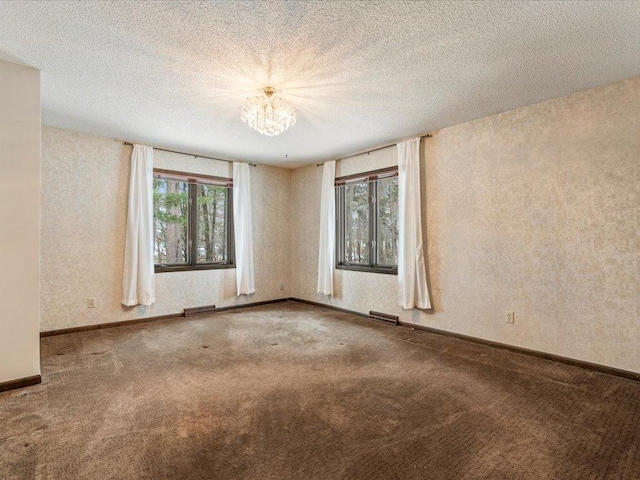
174, 74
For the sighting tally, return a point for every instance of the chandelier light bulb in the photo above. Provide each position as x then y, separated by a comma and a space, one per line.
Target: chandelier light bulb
268, 114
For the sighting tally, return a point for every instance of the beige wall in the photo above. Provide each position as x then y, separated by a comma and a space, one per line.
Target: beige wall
84, 195
19, 221
536, 210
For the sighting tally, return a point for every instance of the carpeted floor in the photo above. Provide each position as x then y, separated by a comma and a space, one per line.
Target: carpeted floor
289, 391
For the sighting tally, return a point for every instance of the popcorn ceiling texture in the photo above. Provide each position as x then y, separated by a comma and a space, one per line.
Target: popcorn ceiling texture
536, 210
174, 74
84, 195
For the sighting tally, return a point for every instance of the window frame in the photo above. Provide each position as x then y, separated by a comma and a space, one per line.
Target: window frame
371, 178
193, 180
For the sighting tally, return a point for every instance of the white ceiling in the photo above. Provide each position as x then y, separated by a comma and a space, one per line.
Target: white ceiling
174, 74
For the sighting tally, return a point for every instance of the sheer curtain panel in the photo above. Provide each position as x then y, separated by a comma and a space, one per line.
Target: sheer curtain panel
327, 250
243, 228
412, 277
138, 285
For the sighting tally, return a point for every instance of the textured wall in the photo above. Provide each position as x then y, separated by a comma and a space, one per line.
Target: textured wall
536, 210
19, 221
84, 197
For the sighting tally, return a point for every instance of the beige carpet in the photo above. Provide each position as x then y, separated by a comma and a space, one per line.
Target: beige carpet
289, 391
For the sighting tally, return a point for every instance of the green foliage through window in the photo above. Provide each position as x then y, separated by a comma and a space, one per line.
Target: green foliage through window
192, 223
356, 219
367, 216
212, 228
170, 204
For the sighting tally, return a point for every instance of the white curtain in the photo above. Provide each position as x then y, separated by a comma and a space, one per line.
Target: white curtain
327, 253
138, 285
412, 277
243, 228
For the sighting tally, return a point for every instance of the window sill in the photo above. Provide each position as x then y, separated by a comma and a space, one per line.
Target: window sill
187, 268
364, 268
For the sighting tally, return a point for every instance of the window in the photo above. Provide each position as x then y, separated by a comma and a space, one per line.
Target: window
193, 225
367, 221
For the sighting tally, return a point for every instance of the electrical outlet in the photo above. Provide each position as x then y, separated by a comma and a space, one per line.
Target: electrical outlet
91, 303
510, 317
281, 286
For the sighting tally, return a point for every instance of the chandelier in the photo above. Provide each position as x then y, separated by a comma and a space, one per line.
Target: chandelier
268, 115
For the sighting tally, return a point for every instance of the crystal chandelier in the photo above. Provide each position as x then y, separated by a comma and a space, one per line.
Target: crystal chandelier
268, 115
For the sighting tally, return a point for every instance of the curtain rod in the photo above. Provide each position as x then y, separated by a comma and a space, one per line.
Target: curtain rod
193, 155
426, 135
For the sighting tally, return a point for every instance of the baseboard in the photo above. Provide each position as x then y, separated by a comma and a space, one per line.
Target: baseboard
533, 353
101, 326
490, 343
247, 305
20, 383
330, 307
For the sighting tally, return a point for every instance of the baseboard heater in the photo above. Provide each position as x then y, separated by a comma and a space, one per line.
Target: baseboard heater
192, 312
384, 318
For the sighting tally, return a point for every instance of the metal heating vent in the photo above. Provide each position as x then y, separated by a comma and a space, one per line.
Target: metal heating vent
191, 312
384, 318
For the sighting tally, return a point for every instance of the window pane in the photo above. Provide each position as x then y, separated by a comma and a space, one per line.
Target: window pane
387, 204
356, 223
212, 225
170, 201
